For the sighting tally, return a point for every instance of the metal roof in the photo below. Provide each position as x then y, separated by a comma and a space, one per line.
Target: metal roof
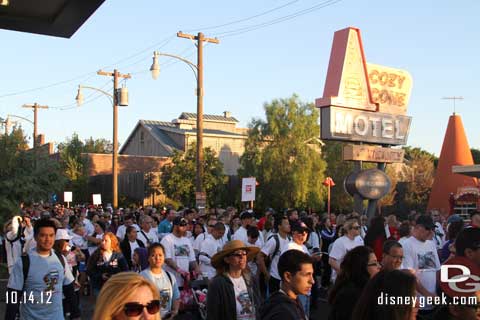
59, 18
171, 127
211, 117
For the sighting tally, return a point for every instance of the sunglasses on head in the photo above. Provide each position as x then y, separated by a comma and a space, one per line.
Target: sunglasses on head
134, 309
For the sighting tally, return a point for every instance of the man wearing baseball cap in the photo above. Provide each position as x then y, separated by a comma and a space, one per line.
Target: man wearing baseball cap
420, 254
179, 254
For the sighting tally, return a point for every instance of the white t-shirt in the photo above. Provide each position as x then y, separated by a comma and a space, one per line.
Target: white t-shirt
197, 243
340, 248
168, 290
295, 246
79, 242
423, 258
151, 237
208, 248
240, 234
269, 248
245, 307
439, 236
122, 229
179, 250
88, 226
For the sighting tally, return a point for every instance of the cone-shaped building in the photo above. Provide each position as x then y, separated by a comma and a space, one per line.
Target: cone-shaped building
455, 151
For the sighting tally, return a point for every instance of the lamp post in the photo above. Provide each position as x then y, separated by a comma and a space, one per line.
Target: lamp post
198, 71
119, 97
329, 183
7, 122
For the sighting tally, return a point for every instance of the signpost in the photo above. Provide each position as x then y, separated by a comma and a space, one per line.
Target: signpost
248, 190
364, 103
67, 197
352, 152
97, 199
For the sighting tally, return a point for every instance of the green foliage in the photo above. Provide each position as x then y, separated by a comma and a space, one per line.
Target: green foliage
25, 175
418, 175
283, 153
75, 166
178, 178
475, 155
338, 170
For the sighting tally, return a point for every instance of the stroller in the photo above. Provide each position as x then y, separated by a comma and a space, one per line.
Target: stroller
199, 292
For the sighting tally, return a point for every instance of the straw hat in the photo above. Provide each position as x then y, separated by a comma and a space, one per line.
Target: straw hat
229, 248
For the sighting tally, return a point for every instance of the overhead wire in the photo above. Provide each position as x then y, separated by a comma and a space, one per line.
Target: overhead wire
245, 19
299, 13
165, 41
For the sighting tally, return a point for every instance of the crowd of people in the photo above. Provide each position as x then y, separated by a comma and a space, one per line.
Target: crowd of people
146, 263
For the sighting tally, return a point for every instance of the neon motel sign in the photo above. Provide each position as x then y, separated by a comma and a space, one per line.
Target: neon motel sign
361, 101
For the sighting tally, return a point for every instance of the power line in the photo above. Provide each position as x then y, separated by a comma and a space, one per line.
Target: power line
299, 13
245, 19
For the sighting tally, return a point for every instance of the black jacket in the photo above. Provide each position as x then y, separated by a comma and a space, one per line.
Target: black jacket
345, 301
97, 267
221, 303
127, 252
281, 307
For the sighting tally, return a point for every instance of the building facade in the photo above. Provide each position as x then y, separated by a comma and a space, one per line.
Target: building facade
160, 138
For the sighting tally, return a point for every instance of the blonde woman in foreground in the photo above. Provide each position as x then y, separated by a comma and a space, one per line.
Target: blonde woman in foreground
127, 295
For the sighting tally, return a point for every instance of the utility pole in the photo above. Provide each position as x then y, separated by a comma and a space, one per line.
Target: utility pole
116, 75
454, 100
35, 108
199, 175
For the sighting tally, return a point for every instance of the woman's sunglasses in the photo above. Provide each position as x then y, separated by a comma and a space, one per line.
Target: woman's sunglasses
134, 309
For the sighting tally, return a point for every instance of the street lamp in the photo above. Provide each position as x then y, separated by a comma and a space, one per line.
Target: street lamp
198, 72
119, 97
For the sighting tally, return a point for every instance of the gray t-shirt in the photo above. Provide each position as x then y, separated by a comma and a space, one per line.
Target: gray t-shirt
168, 290
43, 286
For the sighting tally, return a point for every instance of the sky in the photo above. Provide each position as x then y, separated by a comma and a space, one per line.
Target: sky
256, 61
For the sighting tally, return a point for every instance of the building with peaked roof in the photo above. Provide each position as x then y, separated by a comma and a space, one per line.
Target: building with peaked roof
161, 138
452, 190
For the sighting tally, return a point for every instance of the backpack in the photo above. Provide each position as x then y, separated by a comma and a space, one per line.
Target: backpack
268, 259
26, 264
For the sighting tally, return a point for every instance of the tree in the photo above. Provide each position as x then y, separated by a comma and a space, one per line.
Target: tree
25, 175
75, 166
283, 154
418, 175
178, 177
475, 155
338, 170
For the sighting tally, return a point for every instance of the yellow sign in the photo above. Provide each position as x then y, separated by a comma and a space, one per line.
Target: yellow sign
390, 88
372, 154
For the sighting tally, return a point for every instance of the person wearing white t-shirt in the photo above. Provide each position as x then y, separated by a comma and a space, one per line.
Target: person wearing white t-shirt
197, 243
179, 254
272, 249
232, 293
147, 234
421, 255
127, 222
299, 237
246, 218
345, 243
209, 248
